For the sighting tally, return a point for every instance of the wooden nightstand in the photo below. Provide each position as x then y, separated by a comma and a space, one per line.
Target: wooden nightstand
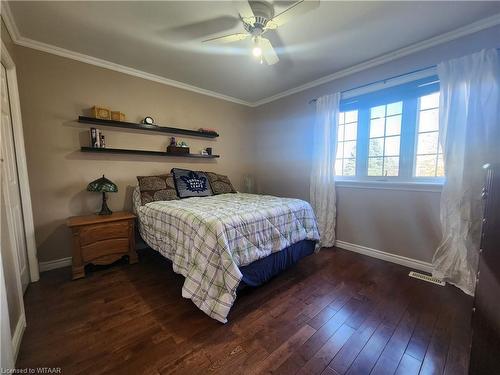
101, 239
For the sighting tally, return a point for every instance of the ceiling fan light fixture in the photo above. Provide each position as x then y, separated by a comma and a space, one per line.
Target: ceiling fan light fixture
258, 17
257, 51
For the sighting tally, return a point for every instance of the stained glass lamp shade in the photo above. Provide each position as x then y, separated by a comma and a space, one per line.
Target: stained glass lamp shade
103, 185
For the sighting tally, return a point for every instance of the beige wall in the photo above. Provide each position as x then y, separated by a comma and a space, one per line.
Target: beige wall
55, 90
401, 222
6, 39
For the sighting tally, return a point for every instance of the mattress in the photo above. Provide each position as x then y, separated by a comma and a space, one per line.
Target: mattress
208, 239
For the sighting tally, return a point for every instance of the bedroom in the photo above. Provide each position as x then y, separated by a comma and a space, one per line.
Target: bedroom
261, 114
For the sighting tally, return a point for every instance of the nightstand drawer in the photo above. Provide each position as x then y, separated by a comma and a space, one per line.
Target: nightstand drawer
94, 233
91, 252
101, 239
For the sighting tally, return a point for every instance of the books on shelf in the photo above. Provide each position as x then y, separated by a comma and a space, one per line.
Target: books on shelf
97, 139
207, 130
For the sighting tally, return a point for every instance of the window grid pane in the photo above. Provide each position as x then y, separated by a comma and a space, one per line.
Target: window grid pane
428, 157
345, 162
374, 143
385, 139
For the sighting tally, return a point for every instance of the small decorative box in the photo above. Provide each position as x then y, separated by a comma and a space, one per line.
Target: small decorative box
177, 150
117, 116
101, 112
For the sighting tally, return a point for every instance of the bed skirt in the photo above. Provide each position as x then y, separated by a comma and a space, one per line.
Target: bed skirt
260, 271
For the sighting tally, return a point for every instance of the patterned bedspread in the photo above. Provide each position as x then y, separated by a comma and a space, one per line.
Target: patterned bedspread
208, 238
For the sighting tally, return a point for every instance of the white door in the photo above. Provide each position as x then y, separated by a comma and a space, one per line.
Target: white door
10, 183
6, 355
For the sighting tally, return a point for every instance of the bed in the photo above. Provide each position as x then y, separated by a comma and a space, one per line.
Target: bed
222, 242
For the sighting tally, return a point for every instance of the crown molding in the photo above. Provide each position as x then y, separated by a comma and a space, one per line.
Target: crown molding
472, 28
30, 43
8, 19
17, 38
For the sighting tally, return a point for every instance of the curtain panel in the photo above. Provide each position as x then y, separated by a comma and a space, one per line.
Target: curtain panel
469, 136
322, 187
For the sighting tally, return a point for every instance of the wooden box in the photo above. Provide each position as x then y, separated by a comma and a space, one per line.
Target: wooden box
177, 150
117, 116
100, 112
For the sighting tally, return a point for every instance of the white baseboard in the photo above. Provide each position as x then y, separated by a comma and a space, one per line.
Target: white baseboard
18, 336
379, 254
53, 264
389, 257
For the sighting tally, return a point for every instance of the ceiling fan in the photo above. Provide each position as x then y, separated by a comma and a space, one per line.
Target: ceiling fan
258, 17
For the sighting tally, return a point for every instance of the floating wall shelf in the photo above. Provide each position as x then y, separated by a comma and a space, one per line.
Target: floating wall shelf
145, 152
145, 127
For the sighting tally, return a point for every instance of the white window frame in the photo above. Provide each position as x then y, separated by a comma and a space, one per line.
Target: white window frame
417, 132
406, 180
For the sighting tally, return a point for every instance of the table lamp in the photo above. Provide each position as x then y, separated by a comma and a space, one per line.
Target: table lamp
103, 185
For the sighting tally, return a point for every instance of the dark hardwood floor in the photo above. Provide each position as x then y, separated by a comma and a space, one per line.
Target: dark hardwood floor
335, 312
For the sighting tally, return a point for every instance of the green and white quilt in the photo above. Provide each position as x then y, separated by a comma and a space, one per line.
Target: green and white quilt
208, 238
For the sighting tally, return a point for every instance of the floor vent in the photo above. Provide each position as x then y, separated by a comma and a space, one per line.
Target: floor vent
429, 279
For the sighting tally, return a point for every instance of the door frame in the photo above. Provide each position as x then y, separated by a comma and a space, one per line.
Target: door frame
6, 341
20, 325
22, 168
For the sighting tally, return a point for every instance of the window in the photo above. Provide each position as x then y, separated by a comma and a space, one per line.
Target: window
345, 163
385, 139
391, 134
429, 156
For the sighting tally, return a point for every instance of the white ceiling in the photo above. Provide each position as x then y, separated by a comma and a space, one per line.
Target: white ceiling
164, 38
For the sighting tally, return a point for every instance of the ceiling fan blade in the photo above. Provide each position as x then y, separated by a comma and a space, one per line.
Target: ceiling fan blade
228, 38
245, 11
300, 7
202, 29
268, 52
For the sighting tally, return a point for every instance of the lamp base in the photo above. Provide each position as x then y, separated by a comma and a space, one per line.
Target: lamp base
104, 209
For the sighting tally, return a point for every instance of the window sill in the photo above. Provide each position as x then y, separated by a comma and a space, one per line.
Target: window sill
427, 186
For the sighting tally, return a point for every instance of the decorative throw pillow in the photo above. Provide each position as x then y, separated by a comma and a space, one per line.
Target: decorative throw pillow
220, 184
191, 184
157, 188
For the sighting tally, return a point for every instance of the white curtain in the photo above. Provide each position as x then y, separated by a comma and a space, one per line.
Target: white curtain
469, 136
323, 172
